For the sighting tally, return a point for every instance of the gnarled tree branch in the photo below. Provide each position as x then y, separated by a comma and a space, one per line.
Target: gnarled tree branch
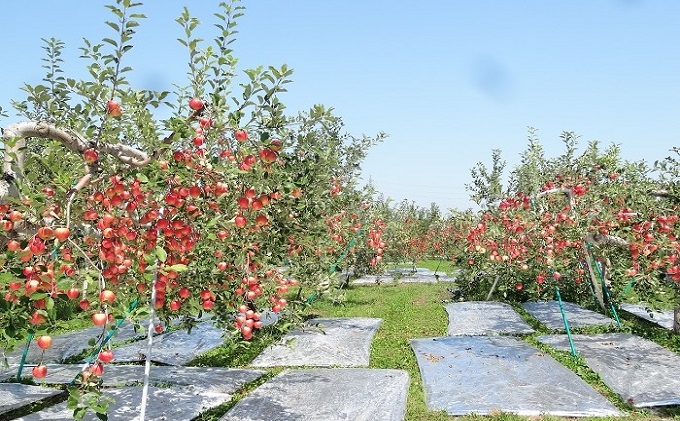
71, 139
607, 240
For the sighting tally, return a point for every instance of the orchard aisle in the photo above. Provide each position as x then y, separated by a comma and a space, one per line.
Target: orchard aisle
483, 366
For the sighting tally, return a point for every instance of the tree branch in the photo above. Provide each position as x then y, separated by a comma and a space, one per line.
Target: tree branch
607, 240
73, 140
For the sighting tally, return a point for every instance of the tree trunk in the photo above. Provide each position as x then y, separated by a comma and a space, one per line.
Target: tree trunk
594, 279
676, 320
493, 288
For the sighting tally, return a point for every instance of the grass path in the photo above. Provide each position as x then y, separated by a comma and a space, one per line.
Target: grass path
412, 311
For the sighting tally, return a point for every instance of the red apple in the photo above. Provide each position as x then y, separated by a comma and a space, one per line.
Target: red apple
107, 295
175, 305
196, 104
205, 122
40, 371
91, 155
97, 369
240, 221
106, 356
72, 293
276, 145
99, 319
45, 233
267, 155
241, 135
44, 342
84, 304
113, 108
62, 233
184, 293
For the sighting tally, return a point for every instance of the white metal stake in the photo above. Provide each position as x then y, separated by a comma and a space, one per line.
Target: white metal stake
147, 362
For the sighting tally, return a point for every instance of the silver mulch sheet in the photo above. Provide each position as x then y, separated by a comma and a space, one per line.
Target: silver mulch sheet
640, 371
15, 395
548, 313
340, 394
70, 344
471, 318
404, 275
484, 375
171, 403
323, 343
215, 379
661, 318
174, 348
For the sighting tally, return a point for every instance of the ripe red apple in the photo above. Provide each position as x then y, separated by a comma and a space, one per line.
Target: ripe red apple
84, 304
205, 122
97, 369
113, 108
240, 221
39, 371
91, 155
196, 104
276, 145
184, 293
247, 332
175, 305
72, 293
241, 135
99, 319
62, 233
107, 295
208, 304
13, 245
267, 155
44, 342
261, 220
15, 216
45, 233
106, 356
37, 318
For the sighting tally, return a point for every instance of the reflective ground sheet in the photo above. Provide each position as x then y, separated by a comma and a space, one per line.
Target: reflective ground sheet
323, 342
327, 395
405, 275
171, 403
484, 318
548, 313
640, 371
69, 345
217, 379
484, 375
174, 348
661, 318
15, 395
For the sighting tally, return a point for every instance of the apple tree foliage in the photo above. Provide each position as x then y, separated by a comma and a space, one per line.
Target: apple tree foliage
225, 206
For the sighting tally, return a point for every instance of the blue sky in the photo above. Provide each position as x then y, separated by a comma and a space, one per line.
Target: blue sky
448, 80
